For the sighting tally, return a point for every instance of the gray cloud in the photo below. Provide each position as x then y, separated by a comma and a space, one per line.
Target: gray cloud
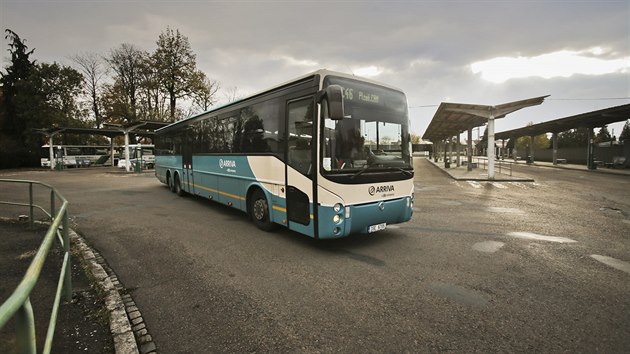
423, 47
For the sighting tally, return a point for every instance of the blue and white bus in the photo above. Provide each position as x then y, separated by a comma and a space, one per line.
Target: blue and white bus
326, 155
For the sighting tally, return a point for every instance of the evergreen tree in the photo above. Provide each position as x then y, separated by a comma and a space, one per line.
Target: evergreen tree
17, 73
34, 96
603, 135
573, 138
625, 132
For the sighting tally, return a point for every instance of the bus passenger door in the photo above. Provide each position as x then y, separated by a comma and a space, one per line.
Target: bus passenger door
299, 166
187, 182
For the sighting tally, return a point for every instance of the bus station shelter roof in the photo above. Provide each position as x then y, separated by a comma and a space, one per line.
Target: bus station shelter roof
451, 119
141, 128
590, 120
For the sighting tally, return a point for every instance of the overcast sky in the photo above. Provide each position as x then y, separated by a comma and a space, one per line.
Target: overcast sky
486, 52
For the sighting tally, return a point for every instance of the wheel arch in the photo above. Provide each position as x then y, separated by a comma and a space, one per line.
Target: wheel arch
250, 191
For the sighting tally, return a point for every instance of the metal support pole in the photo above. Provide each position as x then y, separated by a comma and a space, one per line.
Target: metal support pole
31, 222
25, 329
490, 132
554, 140
128, 160
457, 148
590, 159
531, 148
469, 152
450, 150
51, 154
111, 150
52, 206
66, 245
444, 148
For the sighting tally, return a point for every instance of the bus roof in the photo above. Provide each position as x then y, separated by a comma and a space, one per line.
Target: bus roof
321, 72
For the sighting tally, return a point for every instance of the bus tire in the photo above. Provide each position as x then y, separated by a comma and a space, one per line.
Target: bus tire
177, 186
259, 210
169, 183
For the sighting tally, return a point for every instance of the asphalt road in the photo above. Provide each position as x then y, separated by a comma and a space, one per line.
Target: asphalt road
471, 272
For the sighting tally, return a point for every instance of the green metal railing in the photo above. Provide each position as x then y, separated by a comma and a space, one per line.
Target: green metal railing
18, 305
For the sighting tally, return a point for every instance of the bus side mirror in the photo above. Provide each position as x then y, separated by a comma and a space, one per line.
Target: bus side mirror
334, 95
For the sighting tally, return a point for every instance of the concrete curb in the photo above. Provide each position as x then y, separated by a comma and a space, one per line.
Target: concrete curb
127, 326
119, 325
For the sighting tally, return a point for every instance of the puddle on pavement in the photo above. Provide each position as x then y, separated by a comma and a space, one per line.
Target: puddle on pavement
488, 246
536, 237
460, 294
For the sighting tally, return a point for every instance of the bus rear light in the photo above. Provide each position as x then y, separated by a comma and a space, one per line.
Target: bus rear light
336, 230
337, 207
336, 218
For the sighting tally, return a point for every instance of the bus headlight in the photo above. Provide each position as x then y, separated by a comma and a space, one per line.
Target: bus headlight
337, 207
336, 218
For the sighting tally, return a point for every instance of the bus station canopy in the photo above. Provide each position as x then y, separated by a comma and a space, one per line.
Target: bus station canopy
454, 118
141, 128
589, 120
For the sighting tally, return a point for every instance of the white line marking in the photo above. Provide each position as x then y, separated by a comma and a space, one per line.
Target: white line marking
488, 246
474, 184
532, 236
613, 262
451, 202
505, 210
498, 185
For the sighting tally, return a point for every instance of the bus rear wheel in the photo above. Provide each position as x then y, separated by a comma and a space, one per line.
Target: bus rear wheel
170, 183
259, 211
177, 187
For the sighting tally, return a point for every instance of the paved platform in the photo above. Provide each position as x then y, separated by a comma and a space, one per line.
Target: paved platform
568, 166
502, 173
461, 173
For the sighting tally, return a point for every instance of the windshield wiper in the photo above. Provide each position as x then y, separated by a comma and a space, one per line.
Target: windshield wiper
405, 172
360, 172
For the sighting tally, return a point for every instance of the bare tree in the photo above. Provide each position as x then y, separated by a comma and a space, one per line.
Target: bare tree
127, 62
205, 94
94, 72
231, 94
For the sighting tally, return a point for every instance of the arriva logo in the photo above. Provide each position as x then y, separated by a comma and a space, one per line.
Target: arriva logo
227, 163
380, 189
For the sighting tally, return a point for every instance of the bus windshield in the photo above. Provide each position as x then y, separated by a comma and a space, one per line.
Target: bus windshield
373, 136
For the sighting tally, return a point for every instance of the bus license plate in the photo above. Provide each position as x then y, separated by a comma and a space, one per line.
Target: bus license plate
377, 227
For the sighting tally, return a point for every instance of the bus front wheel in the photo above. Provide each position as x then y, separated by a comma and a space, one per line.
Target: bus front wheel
259, 210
